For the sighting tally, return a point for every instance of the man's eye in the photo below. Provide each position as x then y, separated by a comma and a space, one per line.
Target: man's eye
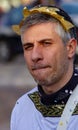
28, 47
46, 43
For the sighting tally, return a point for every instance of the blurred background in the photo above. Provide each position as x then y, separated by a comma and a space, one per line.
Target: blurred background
15, 79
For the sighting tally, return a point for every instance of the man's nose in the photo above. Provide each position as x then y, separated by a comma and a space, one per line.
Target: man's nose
37, 53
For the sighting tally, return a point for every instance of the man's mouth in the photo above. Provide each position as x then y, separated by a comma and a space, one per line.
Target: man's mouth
39, 67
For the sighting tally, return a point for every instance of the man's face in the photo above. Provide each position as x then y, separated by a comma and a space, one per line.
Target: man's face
45, 54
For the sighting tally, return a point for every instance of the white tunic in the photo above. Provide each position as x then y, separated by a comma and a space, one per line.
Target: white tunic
28, 115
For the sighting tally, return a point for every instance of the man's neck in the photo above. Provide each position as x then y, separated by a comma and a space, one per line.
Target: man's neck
62, 95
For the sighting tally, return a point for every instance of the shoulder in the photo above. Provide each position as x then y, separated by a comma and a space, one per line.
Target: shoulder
22, 110
25, 98
24, 102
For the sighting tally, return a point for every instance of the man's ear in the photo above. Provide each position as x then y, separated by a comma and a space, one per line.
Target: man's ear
71, 47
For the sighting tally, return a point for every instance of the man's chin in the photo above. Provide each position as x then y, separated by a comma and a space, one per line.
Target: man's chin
42, 82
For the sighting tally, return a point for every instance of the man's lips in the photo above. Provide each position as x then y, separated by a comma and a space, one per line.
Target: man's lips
39, 67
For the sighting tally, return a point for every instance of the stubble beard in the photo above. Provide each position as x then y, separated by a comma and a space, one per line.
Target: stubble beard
53, 78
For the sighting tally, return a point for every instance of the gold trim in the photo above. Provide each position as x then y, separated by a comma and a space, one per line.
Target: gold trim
48, 111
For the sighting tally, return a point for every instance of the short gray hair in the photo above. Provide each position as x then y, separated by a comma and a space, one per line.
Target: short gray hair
38, 18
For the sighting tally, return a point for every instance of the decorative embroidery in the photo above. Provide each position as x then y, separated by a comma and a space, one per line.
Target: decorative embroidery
48, 111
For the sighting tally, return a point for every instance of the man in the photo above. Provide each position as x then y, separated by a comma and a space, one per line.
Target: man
49, 42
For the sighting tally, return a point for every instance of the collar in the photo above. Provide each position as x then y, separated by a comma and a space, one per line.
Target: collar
61, 96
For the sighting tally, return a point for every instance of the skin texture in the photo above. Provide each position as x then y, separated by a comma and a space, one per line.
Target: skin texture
49, 60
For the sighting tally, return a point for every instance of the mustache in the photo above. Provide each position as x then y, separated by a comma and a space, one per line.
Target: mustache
39, 66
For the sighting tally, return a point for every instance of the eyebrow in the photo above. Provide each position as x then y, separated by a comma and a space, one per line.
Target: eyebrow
43, 40
27, 43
